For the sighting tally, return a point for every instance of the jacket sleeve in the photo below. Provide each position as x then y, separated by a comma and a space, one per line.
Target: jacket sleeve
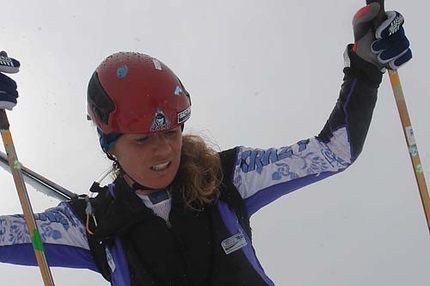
263, 175
63, 235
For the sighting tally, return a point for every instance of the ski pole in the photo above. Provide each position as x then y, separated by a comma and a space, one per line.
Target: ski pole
15, 167
411, 142
407, 128
57, 190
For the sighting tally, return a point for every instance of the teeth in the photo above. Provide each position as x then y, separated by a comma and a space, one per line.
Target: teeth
160, 167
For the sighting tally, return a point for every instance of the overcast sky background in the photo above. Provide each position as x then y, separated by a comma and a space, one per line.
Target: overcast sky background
261, 74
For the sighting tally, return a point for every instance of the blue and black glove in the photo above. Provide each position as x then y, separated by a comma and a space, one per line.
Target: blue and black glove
8, 87
387, 47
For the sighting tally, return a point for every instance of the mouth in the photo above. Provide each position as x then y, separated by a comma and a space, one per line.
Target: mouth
161, 167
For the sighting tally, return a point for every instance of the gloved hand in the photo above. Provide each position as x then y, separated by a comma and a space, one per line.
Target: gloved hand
8, 88
388, 46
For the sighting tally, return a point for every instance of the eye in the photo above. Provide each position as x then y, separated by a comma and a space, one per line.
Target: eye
172, 132
141, 139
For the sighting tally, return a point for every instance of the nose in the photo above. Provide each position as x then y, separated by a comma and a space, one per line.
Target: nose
161, 145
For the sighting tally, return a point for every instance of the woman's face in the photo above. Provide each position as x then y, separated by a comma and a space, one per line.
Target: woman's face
152, 160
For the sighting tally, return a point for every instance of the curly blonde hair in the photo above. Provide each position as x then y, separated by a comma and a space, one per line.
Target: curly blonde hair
200, 173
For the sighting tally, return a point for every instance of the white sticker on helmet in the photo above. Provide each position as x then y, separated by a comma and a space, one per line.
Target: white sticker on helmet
184, 115
157, 64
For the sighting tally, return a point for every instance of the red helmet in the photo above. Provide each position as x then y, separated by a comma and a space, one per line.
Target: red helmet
135, 93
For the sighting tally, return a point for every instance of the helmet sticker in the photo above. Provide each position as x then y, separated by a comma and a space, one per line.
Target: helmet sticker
122, 71
184, 115
178, 90
160, 122
157, 64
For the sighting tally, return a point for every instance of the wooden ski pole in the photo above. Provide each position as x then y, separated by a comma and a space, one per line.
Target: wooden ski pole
407, 128
15, 167
411, 142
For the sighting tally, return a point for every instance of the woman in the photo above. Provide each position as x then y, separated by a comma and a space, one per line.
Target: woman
178, 212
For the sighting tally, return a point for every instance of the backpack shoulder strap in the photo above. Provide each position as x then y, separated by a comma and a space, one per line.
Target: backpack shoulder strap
98, 205
229, 192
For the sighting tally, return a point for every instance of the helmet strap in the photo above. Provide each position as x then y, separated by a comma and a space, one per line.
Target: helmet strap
135, 186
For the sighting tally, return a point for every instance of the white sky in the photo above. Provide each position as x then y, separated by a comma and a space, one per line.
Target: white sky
261, 74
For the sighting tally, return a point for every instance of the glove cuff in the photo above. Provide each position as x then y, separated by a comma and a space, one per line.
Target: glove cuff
357, 67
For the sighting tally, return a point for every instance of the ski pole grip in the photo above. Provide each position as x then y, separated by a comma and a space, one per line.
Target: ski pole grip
381, 16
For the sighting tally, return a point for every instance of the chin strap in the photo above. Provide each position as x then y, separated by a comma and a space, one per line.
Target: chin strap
135, 186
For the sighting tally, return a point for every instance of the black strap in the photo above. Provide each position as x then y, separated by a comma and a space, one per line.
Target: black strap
229, 192
99, 203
